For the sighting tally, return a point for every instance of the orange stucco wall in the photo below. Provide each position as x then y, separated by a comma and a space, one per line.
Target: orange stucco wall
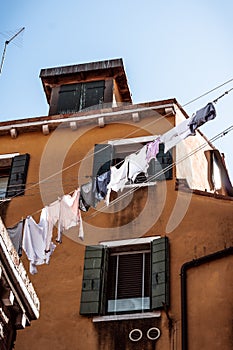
195, 225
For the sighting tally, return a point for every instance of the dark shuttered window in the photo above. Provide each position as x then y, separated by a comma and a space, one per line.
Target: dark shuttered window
18, 176
76, 97
125, 279
106, 155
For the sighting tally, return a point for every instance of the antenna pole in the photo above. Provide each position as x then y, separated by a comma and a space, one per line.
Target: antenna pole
5, 46
3, 56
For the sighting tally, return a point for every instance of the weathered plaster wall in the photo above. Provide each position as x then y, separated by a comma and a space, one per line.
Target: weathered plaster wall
209, 302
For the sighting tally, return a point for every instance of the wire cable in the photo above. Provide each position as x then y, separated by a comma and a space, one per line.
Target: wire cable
225, 93
208, 92
154, 177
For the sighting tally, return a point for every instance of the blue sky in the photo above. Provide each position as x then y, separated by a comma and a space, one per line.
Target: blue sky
170, 49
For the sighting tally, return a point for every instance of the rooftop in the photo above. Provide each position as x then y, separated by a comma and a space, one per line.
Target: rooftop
87, 71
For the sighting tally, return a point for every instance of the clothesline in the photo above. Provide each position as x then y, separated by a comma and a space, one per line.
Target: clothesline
209, 91
191, 101
42, 256
136, 163
157, 175
126, 136
16, 232
213, 139
170, 138
66, 211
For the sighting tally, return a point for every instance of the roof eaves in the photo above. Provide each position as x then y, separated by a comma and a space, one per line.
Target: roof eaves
91, 116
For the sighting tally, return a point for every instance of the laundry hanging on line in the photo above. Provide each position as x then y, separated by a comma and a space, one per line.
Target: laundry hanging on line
202, 116
36, 237
138, 162
69, 215
188, 127
34, 242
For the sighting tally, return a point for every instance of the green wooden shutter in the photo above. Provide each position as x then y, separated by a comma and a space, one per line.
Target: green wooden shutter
93, 277
92, 94
102, 158
18, 175
159, 272
69, 98
162, 166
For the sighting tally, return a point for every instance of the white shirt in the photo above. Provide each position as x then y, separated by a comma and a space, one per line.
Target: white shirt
34, 243
137, 163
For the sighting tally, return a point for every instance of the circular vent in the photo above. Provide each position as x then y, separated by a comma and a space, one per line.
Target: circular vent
135, 334
153, 333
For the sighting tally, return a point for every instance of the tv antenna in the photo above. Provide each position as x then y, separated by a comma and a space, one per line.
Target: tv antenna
7, 42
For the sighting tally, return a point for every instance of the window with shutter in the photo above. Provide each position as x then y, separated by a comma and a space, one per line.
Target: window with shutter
76, 97
159, 169
18, 175
126, 279
13, 174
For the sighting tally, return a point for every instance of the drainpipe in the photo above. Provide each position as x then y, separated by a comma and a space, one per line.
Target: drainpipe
194, 263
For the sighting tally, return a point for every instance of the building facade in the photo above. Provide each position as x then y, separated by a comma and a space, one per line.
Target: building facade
152, 267
19, 304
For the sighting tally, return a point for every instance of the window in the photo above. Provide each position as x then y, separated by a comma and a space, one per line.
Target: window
125, 279
13, 174
128, 283
76, 97
114, 153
